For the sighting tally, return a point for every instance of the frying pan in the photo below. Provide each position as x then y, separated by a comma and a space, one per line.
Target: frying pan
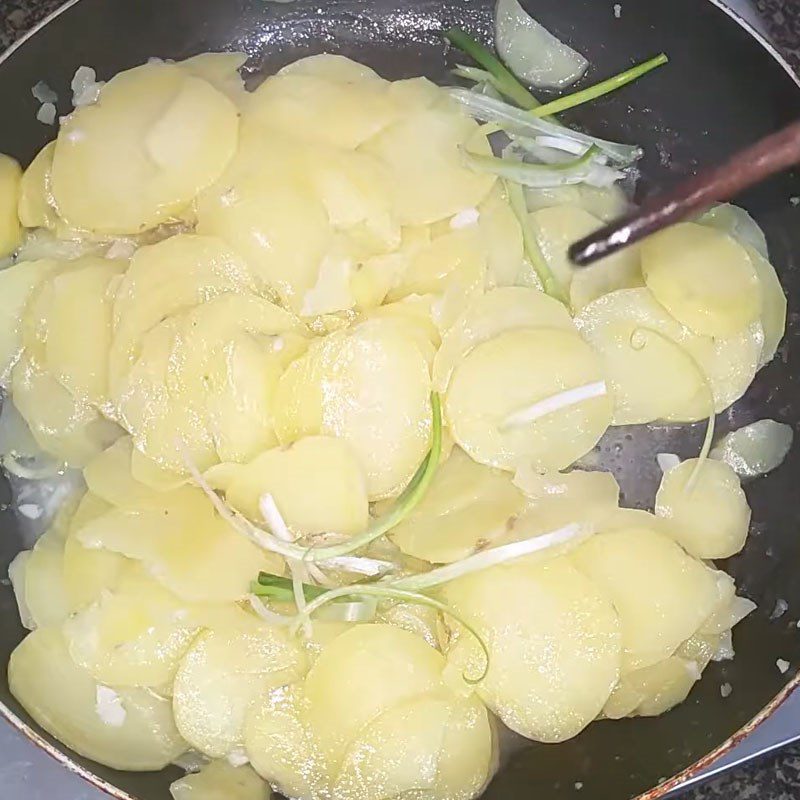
722, 90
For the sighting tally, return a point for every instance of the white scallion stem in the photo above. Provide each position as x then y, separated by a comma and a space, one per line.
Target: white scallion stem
268, 616
490, 558
552, 404
359, 565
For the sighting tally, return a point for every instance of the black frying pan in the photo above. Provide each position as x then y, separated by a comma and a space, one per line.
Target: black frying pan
722, 90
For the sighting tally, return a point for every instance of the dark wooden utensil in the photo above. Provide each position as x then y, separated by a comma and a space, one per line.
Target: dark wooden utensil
752, 165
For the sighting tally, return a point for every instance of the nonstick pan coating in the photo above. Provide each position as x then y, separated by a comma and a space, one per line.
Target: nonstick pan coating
722, 90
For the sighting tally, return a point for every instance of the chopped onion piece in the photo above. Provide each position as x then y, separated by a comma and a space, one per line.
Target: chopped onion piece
490, 558
108, 705
781, 607
362, 610
46, 114
755, 449
85, 87
531, 52
783, 665
16, 573
43, 93
740, 608
667, 461
518, 122
726, 690
554, 403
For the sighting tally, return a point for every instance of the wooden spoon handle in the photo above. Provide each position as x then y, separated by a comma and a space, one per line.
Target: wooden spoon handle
694, 195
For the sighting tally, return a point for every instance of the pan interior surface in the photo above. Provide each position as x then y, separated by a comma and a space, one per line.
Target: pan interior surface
721, 91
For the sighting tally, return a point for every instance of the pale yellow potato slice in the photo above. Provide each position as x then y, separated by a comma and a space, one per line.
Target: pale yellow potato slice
502, 236
313, 108
489, 315
423, 621
316, 482
184, 544
156, 137
653, 379
654, 690
221, 70
74, 316
428, 177
554, 644
606, 204
330, 67
369, 386
465, 509
89, 573
45, 591
557, 228
35, 206
703, 277
358, 676
151, 474
219, 780
134, 635
167, 278
512, 372
711, 518
662, 595
128, 729
434, 746
773, 305
109, 478
10, 228
17, 284
62, 425
224, 673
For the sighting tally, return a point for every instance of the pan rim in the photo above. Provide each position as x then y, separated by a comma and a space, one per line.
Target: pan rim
652, 794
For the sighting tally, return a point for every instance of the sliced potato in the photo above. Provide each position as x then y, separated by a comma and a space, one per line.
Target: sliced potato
502, 237
134, 635
330, 67
434, 745
219, 780
224, 673
773, 305
305, 104
662, 595
321, 468
557, 228
554, 645
89, 573
487, 316
651, 377
62, 425
181, 540
711, 518
221, 70
10, 229
428, 177
35, 206
736, 222
128, 729
370, 387
703, 277
466, 508
154, 140
606, 204
515, 371
359, 675
45, 592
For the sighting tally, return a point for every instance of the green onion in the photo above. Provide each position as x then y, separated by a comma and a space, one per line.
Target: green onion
599, 89
516, 199
536, 175
279, 588
502, 78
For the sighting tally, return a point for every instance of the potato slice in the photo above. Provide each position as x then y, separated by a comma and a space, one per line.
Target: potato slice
134, 635
711, 519
219, 780
661, 594
128, 729
465, 509
340, 113
35, 207
330, 67
703, 278
165, 279
10, 229
652, 379
510, 373
181, 540
224, 673
63, 426
502, 236
561, 226
318, 467
109, 479
17, 284
435, 746
45, 593
487, 316
773, 305
428, 177
155, 139
78, 299
605, 204
359, 675
221, 70
90, 573
554, 643
369, 386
